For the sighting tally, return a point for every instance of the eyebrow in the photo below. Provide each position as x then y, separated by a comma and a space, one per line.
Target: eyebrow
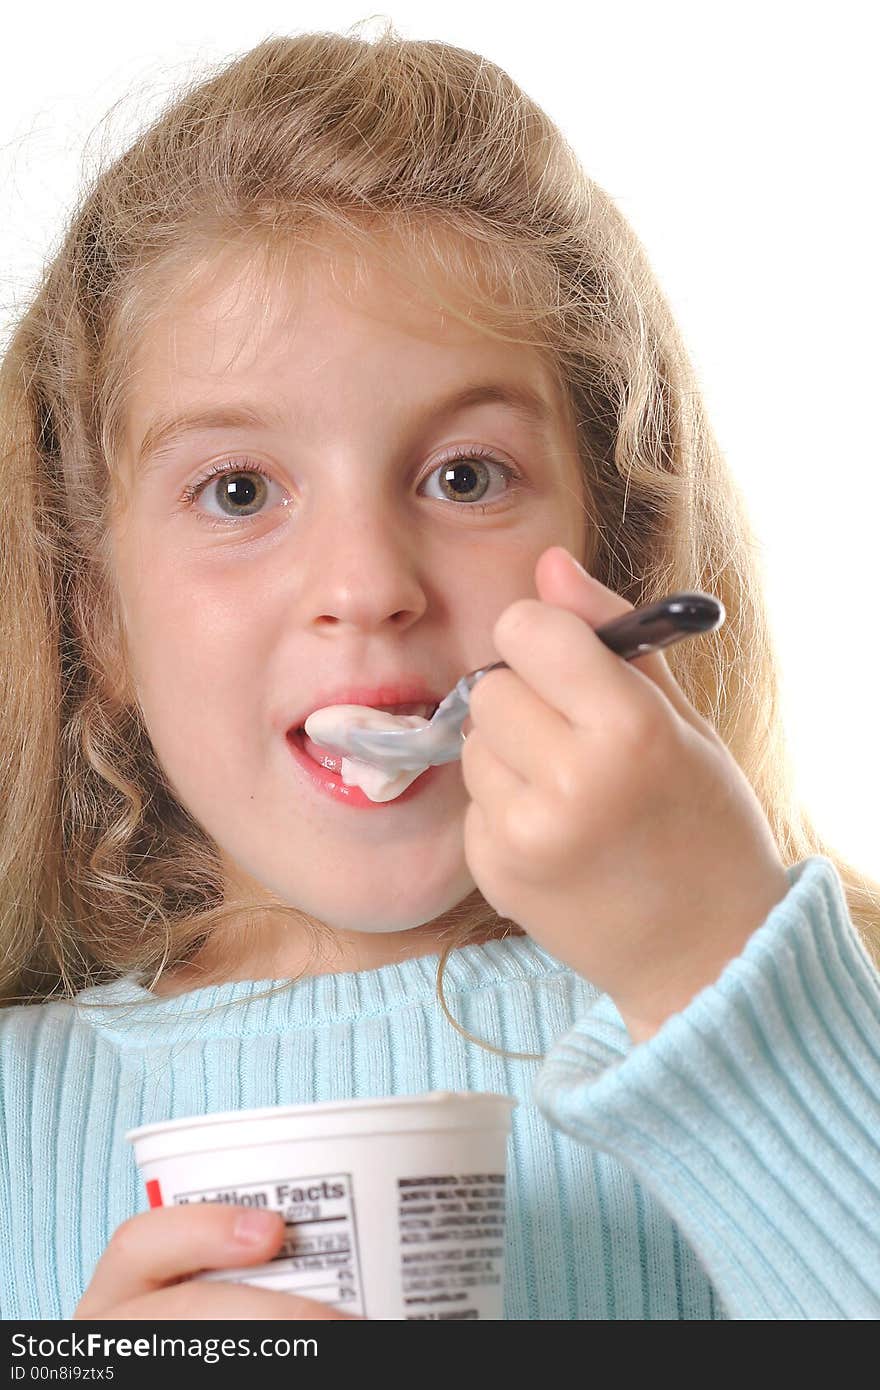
524, 402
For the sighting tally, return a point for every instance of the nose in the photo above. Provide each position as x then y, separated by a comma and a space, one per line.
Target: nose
363, 571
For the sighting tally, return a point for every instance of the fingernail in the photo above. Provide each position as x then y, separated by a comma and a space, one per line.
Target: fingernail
255, 1226
579, 567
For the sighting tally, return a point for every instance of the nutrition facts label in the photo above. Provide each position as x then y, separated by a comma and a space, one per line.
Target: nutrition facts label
452, 1242
319, 1257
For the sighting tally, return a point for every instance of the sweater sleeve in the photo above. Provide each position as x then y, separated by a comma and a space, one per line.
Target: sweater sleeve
753, 1115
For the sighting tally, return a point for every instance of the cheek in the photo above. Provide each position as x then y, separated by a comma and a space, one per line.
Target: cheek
189, 628
487, 582
201, 722
195, 665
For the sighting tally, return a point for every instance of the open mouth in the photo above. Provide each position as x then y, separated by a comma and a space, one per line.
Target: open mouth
426, 711
325, 772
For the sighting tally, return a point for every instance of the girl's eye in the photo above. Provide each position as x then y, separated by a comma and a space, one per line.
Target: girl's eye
463, 475
243, 488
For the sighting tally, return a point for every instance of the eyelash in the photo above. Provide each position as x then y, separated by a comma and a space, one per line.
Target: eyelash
191, 493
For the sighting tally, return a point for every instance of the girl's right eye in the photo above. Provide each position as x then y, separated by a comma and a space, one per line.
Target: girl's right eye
236, 490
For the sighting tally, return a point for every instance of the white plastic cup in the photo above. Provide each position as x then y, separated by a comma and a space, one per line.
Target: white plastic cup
394, 1207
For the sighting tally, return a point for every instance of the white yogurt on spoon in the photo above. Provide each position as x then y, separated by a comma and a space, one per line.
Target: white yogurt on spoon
326, 726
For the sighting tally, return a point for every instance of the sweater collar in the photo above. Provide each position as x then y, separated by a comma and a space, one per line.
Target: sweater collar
242, 1008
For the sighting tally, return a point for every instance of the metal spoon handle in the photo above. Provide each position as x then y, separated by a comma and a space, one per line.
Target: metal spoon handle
644, 630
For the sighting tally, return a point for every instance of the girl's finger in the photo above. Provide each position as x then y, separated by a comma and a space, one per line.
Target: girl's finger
165, 1244
489, 780
220, 1300
519, 729
569, 667
560, 583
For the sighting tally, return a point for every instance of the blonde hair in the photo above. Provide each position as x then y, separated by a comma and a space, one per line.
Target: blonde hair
303, 140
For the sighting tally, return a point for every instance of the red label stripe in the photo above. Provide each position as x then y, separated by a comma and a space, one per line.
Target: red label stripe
154, 1192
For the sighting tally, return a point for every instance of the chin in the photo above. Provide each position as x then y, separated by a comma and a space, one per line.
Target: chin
440, 905
383, 928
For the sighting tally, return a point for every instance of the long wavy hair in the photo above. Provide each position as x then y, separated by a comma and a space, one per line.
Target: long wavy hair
306, 140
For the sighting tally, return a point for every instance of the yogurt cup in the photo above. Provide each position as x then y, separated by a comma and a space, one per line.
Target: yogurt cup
394, 1207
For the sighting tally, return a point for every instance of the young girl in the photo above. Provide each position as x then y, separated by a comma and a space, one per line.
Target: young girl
338, 369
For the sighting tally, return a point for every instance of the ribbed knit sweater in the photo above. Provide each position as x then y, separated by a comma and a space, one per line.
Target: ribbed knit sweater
729, 1167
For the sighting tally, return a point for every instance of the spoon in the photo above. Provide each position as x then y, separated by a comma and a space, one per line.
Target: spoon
644, 630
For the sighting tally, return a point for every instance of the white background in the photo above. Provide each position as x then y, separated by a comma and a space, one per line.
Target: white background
739, 140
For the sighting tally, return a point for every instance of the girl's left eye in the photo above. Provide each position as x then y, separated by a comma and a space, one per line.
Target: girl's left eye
462, 475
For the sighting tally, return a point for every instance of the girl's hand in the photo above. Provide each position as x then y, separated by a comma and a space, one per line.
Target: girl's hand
608, 819
139, 1275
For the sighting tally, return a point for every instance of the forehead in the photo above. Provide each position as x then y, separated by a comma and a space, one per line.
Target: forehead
248, 318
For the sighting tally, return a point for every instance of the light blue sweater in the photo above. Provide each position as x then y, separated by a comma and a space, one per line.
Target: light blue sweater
727, 1168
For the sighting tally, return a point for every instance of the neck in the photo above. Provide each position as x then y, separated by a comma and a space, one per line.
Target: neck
328, 954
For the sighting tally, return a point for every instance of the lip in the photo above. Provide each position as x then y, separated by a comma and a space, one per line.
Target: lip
331, 784
402, 690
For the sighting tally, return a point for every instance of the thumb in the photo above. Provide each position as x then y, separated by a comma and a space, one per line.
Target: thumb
561, 580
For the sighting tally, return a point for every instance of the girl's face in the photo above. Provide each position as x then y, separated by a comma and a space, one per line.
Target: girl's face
348, 563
